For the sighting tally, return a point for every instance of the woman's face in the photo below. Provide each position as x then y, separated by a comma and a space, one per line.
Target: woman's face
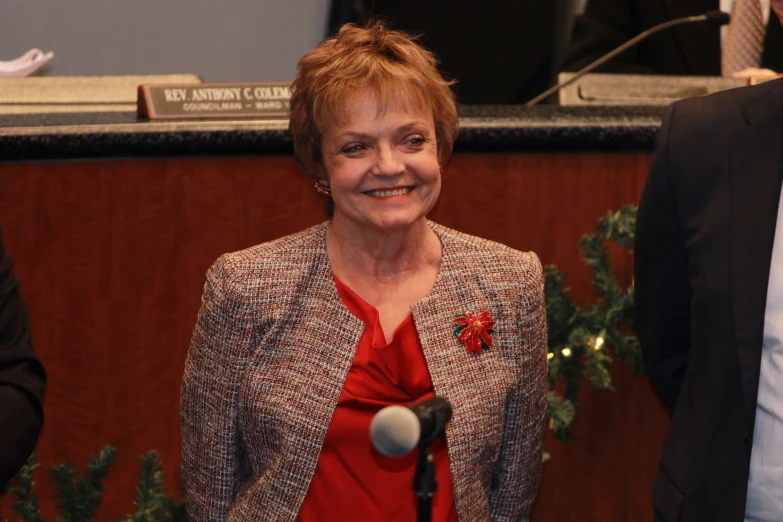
382, 167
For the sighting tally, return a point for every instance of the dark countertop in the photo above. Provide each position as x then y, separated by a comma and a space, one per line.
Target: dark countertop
490, 128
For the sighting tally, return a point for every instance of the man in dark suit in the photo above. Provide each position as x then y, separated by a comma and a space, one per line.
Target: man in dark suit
22, 378
692, 49
709, 303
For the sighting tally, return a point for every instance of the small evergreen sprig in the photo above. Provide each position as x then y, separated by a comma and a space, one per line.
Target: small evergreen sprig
79, 497
152, 503
25, 499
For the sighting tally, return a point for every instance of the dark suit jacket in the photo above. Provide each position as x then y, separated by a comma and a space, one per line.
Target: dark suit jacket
704, 237
692, 49
22, 378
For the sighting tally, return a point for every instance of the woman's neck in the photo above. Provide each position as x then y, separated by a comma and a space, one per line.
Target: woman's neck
383, 256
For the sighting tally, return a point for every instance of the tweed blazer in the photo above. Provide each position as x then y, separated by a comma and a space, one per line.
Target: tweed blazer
272, 348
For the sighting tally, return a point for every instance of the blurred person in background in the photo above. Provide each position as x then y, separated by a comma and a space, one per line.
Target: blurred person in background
691, 49
498, 52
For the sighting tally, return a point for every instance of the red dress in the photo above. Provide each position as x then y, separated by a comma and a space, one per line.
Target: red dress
352, 481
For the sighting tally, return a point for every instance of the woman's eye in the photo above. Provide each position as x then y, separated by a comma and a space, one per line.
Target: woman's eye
353, 149
416, 141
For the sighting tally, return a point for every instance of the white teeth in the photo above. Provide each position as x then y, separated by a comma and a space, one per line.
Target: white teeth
389, 193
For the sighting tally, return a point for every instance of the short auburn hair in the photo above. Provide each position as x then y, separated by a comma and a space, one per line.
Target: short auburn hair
375, 58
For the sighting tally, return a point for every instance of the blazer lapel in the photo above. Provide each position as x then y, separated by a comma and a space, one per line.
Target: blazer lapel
756, 172
434, 319
699, 43
321, 351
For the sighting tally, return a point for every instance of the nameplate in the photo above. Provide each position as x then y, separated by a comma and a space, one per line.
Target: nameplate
637, 89
214, 100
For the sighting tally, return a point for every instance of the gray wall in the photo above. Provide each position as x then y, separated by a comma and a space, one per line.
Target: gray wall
220, 40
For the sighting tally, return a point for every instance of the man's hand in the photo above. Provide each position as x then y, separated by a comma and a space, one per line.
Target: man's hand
754, 72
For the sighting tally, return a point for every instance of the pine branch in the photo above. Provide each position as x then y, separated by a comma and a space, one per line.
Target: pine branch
628, 351
79, 497
66, 495
562, 315
597, 369
25, 499
553, 370
151, 502
561, 413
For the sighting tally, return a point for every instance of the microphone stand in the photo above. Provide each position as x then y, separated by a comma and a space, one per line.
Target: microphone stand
713, 17
425, 483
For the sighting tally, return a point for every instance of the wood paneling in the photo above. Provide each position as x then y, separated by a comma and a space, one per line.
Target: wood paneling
112, 257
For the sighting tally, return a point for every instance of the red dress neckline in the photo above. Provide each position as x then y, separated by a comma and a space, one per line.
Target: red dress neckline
352, 481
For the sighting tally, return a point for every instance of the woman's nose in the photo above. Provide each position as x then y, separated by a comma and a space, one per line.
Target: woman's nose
388, 162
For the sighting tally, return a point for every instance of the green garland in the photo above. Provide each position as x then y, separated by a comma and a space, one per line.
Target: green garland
579, 341
579, 338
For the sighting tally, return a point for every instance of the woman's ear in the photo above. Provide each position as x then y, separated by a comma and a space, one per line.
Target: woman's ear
319, 172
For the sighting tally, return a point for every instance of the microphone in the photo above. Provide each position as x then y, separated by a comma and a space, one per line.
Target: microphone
396, 430
712, 17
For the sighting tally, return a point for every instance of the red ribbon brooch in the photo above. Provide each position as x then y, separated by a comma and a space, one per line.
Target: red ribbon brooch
474, 330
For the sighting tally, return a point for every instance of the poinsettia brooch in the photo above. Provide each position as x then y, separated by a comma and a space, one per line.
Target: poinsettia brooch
474, 330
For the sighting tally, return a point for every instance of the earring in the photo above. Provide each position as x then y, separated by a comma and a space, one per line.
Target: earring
322, 187
441, 170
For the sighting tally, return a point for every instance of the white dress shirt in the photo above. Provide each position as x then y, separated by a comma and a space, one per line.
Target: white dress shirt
765, 483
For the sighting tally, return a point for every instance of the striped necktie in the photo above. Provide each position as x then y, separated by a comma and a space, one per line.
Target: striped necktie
745, 38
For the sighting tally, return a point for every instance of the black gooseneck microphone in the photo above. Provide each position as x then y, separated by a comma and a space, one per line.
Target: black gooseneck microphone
711, 17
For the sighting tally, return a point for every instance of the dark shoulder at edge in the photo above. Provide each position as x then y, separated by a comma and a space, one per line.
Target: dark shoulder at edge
724, 109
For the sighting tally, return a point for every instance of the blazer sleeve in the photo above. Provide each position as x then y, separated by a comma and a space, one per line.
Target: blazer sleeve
22, 378
605, 25
661, 286
211, 450
518, 471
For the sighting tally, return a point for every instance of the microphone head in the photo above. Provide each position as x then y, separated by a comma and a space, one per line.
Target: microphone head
395, 431
717, 18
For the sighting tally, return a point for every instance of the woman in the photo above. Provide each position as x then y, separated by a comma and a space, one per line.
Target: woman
300, 341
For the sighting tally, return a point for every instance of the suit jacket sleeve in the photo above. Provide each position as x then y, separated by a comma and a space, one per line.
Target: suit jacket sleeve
22, 378
605, 25
211, 452
662, 289
518, 471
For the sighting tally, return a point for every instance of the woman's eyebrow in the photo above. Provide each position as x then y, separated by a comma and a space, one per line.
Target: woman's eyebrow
414, 125
408, 127
355, 134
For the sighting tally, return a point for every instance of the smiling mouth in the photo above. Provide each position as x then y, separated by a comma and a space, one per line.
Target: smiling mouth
387, 193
